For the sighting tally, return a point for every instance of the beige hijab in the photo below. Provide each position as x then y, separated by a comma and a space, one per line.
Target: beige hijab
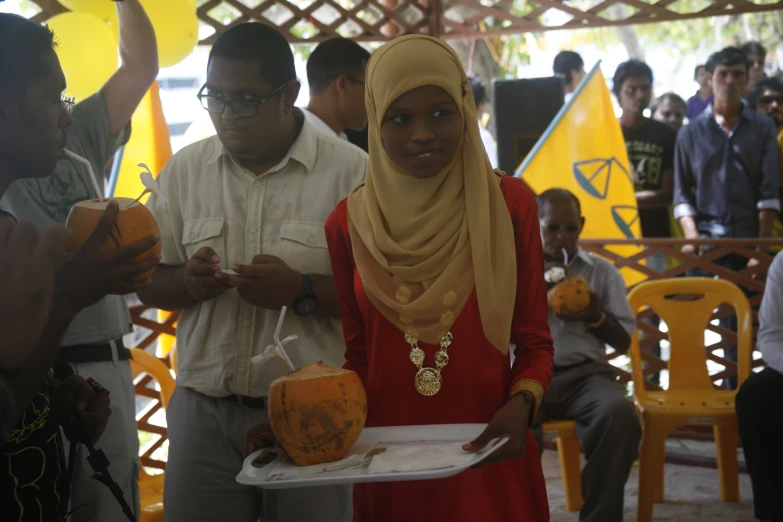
421, 245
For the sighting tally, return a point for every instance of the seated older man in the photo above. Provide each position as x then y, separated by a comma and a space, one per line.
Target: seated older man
582, 388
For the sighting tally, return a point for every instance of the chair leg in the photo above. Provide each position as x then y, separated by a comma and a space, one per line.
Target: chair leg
660, 473
570, 467
726, 443
650, 456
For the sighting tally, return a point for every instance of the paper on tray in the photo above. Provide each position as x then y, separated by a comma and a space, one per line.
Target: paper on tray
417, 457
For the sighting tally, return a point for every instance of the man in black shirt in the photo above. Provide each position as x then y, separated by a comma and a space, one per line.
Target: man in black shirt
650, 147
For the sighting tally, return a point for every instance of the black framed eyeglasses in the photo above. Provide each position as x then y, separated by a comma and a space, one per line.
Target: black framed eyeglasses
246, 108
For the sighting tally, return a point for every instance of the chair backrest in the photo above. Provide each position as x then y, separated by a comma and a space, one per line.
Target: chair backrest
687, 320
144, 362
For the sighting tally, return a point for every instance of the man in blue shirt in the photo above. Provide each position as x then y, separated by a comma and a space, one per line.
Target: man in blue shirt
703, 97
726, 165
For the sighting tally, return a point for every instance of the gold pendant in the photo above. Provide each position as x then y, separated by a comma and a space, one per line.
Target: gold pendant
428, 381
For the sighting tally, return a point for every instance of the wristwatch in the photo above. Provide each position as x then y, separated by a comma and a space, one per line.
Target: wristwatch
307, 302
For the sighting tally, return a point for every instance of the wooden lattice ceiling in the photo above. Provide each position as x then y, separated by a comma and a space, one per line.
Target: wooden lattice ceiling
379, 20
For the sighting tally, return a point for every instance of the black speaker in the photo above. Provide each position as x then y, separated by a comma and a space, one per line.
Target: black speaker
523, 109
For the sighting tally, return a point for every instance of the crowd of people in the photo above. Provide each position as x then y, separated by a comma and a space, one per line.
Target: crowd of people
418, 266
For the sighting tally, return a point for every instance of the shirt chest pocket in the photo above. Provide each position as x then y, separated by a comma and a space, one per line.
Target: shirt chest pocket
205, 232
303, 247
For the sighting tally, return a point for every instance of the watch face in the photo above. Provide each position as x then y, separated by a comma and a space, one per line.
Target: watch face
306, 307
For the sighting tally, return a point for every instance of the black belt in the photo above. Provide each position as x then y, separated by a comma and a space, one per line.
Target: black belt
567, 367
257, 403
84, 353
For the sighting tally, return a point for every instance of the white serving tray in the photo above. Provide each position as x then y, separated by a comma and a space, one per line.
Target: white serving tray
282, 473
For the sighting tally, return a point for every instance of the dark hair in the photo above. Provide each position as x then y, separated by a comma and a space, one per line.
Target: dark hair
331, 59
567, 62
754, 48
260, 43
29, 42
766, 84
554, 194
727, 57
629, 69
671, 97
697, 69
479, 89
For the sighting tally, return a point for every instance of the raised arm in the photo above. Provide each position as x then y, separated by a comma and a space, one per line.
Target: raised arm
139, 54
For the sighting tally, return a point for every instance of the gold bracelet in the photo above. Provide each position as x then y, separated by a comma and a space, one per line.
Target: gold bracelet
598, 323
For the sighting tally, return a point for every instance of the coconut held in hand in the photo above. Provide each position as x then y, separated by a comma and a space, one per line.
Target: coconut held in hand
571, 296
317, 413
133, 223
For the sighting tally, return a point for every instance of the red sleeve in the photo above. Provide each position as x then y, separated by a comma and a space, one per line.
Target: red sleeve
341, 255
534, 352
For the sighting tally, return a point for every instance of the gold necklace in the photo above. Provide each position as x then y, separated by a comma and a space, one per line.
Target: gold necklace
428, 380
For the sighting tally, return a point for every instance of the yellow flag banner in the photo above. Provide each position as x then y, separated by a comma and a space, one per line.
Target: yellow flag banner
583, 150
150, 143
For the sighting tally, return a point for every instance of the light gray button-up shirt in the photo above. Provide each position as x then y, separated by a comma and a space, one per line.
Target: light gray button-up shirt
574, 342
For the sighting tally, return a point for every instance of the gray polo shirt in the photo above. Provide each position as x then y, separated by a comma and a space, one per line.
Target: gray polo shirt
770, 336
573, 341
47, 201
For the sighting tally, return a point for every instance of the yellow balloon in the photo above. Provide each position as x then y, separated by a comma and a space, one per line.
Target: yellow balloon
101, 9
87, 51
176, 28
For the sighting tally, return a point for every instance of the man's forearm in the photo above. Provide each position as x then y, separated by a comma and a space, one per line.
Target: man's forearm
138, 46
653, 198
29, 377
139, 54
613, 334
168, 290
689, 229
328, 304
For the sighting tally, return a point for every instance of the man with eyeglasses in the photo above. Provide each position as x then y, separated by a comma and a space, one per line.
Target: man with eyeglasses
726, 172
35, 127
335, 74
243, 236
582, 388
767, 99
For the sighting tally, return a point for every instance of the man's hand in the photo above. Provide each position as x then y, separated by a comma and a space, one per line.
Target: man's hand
590, 314
510, 421
27, 265
97, 270
692, 250
200, 276
754, 262
70, 405
267, 283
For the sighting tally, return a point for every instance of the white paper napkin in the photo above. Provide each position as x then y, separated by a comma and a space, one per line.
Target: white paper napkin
420, 457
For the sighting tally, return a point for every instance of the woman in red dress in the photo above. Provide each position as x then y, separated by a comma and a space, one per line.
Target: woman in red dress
438, 265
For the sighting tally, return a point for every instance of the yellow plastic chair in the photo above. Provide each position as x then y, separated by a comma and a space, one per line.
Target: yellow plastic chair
691, 399
151, 486
564, 433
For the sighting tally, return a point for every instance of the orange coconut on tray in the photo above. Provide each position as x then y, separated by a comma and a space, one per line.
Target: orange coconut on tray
133, 222
317, 412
